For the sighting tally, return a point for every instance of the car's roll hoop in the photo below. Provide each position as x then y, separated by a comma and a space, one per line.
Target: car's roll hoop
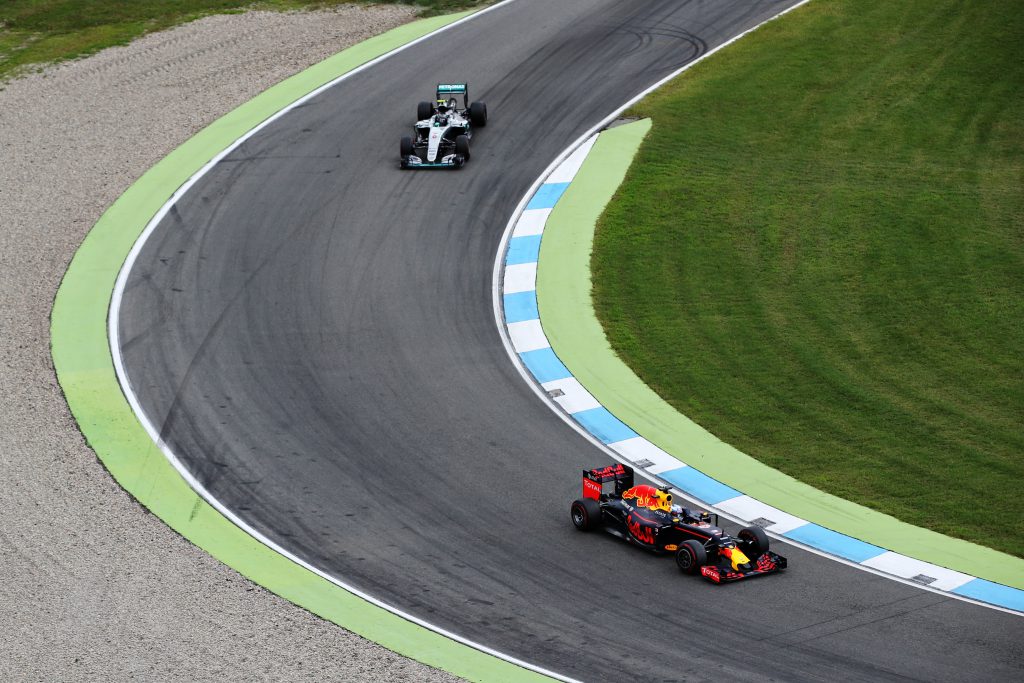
595, 479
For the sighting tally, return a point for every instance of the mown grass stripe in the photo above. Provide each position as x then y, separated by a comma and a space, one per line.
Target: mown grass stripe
817, 256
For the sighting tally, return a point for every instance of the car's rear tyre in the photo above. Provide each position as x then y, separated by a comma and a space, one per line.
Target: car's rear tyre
691, 556
586, 514
478, 114
462, 146
756, 540
424, 110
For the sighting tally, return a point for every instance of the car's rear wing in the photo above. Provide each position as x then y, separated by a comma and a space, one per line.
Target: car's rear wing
595, 479
446, 90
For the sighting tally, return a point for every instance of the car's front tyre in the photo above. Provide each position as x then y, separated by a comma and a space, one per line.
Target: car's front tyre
406, 150
462, 147
691, 556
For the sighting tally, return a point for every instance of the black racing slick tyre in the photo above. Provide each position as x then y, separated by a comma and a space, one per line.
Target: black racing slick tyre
406, 151
691, 556
424, 110
586, 514
756, 539
462, 146
478, 114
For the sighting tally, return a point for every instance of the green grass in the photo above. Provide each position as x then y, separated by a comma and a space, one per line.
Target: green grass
36, 32
819, 256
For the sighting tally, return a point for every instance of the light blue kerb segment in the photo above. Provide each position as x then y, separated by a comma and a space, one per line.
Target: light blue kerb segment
520, 306
994, 593
544, 365
547, 196
835, 543
604, 425
523, 250
699, 485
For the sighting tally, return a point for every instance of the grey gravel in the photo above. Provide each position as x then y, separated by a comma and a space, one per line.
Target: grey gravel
93, 587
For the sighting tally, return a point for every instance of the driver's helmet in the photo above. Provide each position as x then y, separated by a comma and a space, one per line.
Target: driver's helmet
442, 106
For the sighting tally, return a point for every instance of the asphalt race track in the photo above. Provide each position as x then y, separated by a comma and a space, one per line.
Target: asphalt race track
312, 330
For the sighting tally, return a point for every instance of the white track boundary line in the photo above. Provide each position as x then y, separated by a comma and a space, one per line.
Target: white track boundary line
499, 319
115, 348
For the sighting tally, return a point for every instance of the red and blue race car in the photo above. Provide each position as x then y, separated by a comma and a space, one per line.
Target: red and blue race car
644, 515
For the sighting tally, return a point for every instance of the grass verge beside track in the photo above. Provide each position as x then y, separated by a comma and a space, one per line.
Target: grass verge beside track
44, 31
85, 369
818, 256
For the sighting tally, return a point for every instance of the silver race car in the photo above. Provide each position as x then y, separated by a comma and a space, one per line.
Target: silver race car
443, 130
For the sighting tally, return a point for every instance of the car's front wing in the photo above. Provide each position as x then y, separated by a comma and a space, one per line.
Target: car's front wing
722, 571
447, 161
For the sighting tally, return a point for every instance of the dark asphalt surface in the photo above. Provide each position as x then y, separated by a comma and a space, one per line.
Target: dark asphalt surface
312, 330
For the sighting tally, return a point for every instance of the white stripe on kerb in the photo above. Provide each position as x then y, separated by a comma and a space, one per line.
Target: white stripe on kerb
531, 223
527, 336
748, 509
908, 568
571, 166
521, 277
574, 397
639, 449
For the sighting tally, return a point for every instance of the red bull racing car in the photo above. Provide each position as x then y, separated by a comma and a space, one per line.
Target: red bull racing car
645, 516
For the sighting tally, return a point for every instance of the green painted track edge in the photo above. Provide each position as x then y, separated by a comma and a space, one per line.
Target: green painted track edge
577, 338
85, 371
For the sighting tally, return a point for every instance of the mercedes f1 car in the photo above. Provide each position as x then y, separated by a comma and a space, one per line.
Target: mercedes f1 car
645, 516
443, 130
